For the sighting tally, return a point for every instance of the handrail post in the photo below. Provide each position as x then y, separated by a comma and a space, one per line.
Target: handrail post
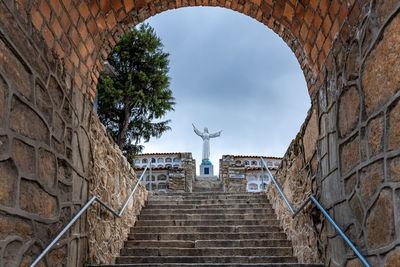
262, 176
150, 180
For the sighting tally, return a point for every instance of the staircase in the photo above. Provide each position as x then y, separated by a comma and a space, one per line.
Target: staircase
207, 229
207, 185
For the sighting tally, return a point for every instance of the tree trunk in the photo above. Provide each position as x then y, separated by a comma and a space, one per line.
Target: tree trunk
124, 128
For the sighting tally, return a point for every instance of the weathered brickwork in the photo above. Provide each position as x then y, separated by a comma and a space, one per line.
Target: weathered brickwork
347, 153
112, 179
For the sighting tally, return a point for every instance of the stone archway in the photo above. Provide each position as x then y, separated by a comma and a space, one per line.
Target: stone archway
347, 151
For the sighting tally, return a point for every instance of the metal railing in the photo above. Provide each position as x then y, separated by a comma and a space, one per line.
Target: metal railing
312, 198
82, 210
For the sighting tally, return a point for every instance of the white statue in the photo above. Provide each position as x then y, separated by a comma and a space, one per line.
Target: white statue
206, 141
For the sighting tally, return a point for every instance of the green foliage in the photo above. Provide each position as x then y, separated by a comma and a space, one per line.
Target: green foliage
132, 102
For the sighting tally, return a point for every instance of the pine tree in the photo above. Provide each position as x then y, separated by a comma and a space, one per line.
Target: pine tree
132, 102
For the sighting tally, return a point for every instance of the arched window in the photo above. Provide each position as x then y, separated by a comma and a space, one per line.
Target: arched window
246, 162
177, 160
254, 162
168, 165
153, 160
168, 160
162, 177
252, 187
162, 186
160, 160
159, 166
137, 161
144, 160
176, 165
238, 162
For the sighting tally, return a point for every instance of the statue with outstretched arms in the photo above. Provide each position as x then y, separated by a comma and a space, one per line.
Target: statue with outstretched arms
206, 141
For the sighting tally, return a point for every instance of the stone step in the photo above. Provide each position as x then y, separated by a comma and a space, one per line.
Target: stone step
214, 265
205, 259
207, 196
243, 216
209, 211
206, 236
210, 251
171, 194
208, 243
207, 201
210, 206
204, 222
205, 229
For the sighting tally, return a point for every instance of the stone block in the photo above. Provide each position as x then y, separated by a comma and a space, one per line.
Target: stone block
24, 156
350, 184
10, 225
394, 169
394, 126
15, 71
332, 190
47, 167
310, 136
371, 177
380, 76
352, 63
375, 136
3, 144
333, 160
384, 8
58, 127
393, 257
357, 208
33, 199
380, 226
349, 155
8, 181
56, 93
27, 122
43, 102
349, 109
3, 93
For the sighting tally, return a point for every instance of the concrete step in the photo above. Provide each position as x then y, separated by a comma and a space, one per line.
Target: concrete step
209, 206
210, 251
204, 222
206, 236
242, 216
254, 200
209, 211
205, 229
206, 196
207, 243
214, 265
205, 259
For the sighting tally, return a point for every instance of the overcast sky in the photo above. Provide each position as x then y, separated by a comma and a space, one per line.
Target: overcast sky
229, 72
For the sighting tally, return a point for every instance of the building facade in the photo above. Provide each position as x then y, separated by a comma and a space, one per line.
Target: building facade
244, 173
170, 172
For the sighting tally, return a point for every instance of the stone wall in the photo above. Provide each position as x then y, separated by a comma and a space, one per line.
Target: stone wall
112, 179
347, 150
228, 169
44, 150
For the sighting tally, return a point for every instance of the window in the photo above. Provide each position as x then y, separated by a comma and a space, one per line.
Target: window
162, 177
168, 165
144, 160
160, 160
153, 160
162, 186
238, 162
206, 170
176, 165
137, 161
246, 162
176, 160
254, 162
168, 160
252, 187
159, 166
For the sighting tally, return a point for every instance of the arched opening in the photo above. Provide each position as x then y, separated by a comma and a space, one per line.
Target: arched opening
350, 133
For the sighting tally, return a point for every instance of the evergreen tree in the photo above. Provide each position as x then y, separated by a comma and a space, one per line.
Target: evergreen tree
132, 102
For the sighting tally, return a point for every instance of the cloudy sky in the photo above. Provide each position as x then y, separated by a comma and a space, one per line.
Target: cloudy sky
229, 72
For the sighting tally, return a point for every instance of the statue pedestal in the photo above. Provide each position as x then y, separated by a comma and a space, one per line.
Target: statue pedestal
206, 169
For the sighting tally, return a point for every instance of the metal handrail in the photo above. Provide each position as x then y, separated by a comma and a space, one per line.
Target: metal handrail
82, 210
312, 198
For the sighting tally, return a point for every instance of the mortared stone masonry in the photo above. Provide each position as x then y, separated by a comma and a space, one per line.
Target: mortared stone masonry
347, 152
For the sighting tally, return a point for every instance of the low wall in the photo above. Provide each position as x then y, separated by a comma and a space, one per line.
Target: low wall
112, 179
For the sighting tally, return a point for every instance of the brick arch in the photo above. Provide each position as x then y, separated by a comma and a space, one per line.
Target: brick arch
83, 33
